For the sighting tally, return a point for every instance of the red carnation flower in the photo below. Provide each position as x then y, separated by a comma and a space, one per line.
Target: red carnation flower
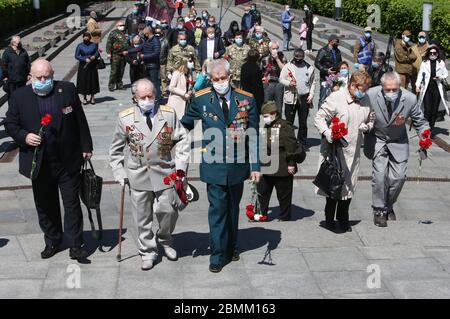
263, 218
426, 133
46, 119
335, 120
342, 126
181, 173
173, 176
166, 180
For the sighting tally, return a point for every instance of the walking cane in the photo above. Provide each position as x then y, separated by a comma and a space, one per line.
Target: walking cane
122, 202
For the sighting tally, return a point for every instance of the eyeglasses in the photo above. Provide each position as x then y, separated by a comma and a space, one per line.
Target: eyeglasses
433, 53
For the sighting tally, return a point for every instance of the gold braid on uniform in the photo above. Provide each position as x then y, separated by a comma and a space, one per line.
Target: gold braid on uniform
243, 92
202, 92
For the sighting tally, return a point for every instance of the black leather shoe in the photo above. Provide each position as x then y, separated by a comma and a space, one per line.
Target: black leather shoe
380, 219
235, 257
330, 225
215, 268
49, 251
345, 227
78, 253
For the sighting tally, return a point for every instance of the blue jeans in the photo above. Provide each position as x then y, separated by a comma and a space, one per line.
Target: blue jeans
287, 36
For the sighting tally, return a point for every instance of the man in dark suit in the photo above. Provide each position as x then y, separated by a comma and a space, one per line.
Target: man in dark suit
61, 152
210, 47
227, 160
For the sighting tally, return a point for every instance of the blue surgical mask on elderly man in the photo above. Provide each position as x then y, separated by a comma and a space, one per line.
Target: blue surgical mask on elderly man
42, 88
359, 95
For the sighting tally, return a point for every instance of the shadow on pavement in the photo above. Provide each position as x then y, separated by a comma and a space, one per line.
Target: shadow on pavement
297, 213
3, 242
197, 244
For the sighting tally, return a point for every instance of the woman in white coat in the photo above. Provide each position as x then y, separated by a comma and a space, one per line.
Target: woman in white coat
351, 108
429, 84
180, 88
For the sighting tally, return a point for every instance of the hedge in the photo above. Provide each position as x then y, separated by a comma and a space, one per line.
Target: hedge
396, 15
19, 14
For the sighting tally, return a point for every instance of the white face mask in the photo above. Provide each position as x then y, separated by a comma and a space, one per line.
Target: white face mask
121, 28
210, 36
190, 65
146, 105
222, 88
433, 57
391, 96
268, 119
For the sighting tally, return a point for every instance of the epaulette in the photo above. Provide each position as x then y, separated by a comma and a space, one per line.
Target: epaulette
126, 112
166, 108
202, 92
243, 92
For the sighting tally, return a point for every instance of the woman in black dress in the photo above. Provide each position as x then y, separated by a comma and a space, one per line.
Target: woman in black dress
252, 77
87, 77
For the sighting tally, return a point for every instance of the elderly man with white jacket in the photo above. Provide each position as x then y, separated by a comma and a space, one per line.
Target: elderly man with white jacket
429, 84
297, 78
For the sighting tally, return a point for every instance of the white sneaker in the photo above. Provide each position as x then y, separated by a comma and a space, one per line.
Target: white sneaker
170, 252
147, 264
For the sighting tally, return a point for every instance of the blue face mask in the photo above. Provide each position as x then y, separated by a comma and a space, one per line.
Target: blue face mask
422, 40
183, 43
368, 35
344, 72
135, 11
258, 36
359, 95
238, 41
375, 65
43, 88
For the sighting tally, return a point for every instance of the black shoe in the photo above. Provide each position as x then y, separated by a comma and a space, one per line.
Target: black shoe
49, 251
330, 225
111, 89
380, 219
345, 227
78, 253
391, 215
235, 257
215, 268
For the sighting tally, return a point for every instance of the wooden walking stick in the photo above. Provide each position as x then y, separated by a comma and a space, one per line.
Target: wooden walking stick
122, 202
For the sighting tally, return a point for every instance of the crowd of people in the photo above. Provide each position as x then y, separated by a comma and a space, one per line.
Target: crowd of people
229, 81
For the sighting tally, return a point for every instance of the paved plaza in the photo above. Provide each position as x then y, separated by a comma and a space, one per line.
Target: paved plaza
296, 259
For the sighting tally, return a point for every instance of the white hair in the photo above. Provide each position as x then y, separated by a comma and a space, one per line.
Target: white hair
390, 76
135, 85
219, 63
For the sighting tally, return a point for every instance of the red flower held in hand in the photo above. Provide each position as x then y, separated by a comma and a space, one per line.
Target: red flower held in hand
181, 173
166, 180
100, 50
250, 211
335, 120
46, 119
338, 129
425, 143
426, 134
173, 176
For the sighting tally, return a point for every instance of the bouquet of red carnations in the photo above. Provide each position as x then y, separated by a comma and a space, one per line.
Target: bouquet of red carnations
253, 210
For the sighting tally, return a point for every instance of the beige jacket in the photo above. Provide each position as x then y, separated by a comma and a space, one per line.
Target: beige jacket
94, 29
177, 89
290, 93
152, 154
404, 57
355, 116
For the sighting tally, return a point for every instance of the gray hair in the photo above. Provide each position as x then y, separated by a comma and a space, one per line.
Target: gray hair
219, 63
135, 85
390, 76
14, 38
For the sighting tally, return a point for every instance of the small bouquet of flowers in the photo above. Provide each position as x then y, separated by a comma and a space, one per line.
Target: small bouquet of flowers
45, 121
253, 210
338, 131
176, 181
266, 74
334, 82
424, 143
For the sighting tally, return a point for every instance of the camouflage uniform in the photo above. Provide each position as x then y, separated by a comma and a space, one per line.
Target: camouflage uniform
263, 47
237, 55
117, 43
177, 53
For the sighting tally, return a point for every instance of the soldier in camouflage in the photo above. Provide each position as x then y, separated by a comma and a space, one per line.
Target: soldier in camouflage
236, 54
180, 51
117, 50
260, 42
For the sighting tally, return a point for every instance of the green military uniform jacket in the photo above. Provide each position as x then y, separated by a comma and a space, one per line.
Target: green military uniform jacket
177, 52
221, 163
281, 146
117, 43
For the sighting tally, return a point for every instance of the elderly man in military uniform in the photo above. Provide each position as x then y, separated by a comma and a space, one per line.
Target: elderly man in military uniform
158, 146
228, 160
116, 49
236, 54
260, 42
180, 51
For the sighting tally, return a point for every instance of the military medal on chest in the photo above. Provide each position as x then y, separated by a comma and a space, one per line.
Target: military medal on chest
135, 141
240, 122
165, 142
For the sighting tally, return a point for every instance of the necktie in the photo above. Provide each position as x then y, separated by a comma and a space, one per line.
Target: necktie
224, 108
389, 108
149, 121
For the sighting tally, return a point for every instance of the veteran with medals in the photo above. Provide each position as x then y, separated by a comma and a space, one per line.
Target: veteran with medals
228, 159
158, 147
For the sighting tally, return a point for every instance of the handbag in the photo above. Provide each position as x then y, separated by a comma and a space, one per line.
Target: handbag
91, 194
300, 153
330, 177
101, 63
445, 85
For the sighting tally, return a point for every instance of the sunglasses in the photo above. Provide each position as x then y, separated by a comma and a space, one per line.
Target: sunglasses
433, 53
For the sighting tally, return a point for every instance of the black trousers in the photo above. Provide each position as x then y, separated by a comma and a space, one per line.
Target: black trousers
309, 39
431, 101
136, 73
46, 198
284, 186
337, 207
302, 108
10, 87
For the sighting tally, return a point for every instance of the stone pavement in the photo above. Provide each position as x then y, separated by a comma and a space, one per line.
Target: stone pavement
297, 259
